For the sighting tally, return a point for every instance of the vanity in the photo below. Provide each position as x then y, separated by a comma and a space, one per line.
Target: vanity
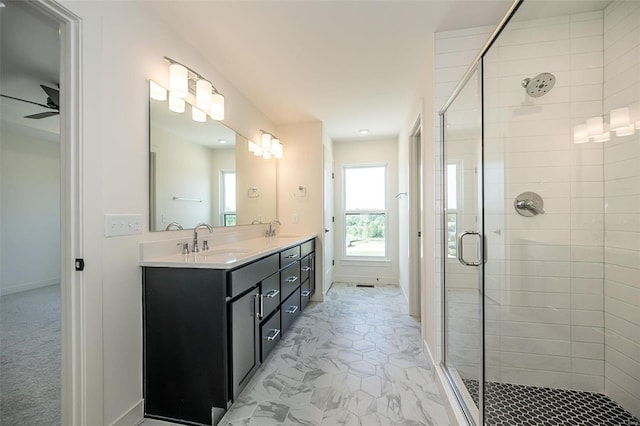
211, 318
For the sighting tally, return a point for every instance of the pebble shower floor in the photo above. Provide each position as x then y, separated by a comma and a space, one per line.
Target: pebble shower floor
512, 405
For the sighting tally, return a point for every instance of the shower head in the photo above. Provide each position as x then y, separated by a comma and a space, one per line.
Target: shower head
539, 85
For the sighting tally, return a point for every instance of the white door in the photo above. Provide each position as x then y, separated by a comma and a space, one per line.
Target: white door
328, 218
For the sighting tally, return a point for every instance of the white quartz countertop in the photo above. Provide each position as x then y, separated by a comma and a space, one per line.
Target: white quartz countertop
227, 256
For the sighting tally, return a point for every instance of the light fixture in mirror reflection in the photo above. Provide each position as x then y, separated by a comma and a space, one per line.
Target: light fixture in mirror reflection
203, 172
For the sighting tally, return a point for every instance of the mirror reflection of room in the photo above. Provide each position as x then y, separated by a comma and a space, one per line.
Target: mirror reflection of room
203, 172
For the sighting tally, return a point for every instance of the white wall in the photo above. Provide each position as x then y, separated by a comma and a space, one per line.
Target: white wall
622, 215
301, 211
256, 173
123, 46
183, 170
30, 217
366, 152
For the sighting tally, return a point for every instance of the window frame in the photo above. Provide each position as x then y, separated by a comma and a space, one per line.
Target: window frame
345, 213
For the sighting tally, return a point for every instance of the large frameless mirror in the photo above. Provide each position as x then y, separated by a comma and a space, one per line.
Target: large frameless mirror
204, 172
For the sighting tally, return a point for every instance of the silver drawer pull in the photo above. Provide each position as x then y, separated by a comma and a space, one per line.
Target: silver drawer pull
306, 268
306, 293
292, 256
274, 334
260, 313
291, 279
273, 293
292, 309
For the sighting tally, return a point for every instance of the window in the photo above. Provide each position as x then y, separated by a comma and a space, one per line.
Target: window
365, 211
452, 209
228, 191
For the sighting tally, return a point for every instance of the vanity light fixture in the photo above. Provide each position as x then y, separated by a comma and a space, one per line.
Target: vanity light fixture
157, 92
176, 103
623, 121
198, 115
580, 134
184, 81
269, 147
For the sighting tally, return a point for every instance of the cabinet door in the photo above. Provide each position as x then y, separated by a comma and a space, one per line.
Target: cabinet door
244, 340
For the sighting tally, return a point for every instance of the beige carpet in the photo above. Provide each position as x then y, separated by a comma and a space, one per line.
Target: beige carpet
30, 357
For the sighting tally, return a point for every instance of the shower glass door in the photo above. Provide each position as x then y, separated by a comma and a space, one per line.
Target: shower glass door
462, 224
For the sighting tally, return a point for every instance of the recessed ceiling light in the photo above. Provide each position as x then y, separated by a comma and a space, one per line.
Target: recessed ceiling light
2, 4
222, 141
364, 131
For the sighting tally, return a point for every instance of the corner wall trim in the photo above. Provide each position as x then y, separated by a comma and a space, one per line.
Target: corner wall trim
132, 417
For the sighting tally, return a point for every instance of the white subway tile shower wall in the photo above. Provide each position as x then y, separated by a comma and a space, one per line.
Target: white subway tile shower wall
622, 214
582, 253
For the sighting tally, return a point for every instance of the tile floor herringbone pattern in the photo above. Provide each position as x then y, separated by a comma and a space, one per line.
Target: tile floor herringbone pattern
355, 359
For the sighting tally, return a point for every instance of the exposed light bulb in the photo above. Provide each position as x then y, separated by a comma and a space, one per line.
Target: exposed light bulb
179, 80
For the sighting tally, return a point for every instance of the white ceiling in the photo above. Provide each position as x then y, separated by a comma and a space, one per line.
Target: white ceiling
350, 64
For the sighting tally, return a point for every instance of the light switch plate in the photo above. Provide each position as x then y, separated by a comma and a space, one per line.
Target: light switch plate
122, 224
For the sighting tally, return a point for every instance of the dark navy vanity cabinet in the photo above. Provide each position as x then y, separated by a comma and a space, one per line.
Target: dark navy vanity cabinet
206, 331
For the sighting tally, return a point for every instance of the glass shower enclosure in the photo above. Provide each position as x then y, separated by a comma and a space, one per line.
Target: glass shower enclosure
541, 219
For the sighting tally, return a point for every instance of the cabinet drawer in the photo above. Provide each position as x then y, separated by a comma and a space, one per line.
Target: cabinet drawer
307, 247
290, 310
270, 294
289, 280
270, 335
250, 275
305, 294
289, 255
305, 268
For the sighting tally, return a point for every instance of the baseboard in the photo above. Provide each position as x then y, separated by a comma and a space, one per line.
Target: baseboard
456, 415
28, 286
358, 279
132, 417
404, 292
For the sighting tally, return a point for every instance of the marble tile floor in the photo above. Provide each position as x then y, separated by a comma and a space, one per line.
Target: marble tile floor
355, 359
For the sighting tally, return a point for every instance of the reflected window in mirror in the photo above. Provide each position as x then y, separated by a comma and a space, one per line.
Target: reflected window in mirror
228, 191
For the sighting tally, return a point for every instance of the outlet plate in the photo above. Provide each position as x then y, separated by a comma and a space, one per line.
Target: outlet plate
122, 224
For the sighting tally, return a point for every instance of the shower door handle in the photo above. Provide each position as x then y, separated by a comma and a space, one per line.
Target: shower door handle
460, 249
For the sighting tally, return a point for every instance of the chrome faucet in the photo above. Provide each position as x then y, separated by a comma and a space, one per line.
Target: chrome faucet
271, 232
195, 234
175, 225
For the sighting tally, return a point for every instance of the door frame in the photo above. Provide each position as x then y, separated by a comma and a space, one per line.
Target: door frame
78, 366
416, 166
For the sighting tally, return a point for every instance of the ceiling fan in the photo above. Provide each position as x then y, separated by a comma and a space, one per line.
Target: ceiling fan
53, 103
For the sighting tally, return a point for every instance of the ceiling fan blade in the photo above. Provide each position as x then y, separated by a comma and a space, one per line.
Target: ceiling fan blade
42, 115
52, 93
24, 100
